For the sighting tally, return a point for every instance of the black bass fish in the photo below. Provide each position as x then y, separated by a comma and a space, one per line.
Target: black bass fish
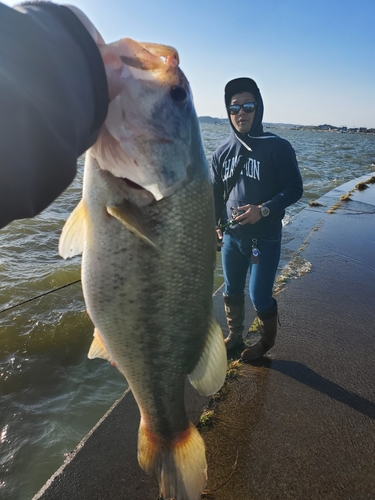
145, 227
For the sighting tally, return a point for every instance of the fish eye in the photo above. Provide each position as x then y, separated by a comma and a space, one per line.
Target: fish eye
178, 93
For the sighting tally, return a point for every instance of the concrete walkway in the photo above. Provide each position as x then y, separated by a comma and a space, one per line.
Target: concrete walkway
300, 423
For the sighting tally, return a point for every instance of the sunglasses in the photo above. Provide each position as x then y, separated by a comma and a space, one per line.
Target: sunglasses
248, 107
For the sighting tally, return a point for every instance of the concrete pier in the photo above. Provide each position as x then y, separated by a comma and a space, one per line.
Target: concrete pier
298, 424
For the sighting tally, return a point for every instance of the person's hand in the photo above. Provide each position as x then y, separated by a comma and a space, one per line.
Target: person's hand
251, 215
113, 67
219, 235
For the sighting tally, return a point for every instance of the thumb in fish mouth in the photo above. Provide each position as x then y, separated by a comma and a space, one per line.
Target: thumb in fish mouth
114, 62
140, 56
113, 68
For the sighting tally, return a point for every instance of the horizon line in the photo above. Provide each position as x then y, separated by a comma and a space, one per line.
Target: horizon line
295, 124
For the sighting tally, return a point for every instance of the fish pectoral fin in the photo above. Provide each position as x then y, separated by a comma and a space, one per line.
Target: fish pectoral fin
72, 237
128, 216
98, 349
209, 374
180, 466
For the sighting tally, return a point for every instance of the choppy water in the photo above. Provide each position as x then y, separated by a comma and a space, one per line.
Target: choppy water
51, 394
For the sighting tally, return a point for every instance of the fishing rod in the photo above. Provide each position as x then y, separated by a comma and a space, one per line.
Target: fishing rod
39, 296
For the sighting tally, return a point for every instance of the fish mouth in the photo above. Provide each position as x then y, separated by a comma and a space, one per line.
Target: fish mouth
125, 184
131, 184
143, 193
152, 189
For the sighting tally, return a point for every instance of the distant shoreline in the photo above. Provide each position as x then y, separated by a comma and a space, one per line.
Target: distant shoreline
313, 128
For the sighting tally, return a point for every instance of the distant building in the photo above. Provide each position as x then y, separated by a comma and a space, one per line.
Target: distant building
325, 127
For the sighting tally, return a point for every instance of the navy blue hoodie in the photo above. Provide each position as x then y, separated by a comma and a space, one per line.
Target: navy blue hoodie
270, 175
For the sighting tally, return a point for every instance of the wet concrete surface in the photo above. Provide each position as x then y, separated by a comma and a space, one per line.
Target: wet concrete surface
298, 424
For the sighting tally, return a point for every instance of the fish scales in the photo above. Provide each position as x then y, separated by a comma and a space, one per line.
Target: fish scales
159, 290
145, 227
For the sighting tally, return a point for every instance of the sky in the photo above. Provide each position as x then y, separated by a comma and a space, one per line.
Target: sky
313, 60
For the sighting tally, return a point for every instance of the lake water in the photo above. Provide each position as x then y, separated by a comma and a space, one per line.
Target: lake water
51, 394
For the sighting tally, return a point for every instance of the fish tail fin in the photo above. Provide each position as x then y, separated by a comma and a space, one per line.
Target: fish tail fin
179, 466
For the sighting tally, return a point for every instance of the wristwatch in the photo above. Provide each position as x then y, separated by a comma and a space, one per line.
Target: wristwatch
264, 211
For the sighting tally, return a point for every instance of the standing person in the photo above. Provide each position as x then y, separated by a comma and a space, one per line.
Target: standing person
261, 174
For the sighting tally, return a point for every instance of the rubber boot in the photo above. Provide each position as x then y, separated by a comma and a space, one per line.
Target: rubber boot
268, 328
235, 314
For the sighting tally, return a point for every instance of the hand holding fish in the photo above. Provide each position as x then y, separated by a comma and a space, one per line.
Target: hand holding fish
146, 186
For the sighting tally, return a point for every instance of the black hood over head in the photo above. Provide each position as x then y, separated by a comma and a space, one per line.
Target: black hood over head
237, 86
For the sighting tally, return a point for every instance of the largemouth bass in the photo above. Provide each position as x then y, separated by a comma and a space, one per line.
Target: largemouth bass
145, 226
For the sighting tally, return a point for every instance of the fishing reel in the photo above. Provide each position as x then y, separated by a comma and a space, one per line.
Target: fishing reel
231, 222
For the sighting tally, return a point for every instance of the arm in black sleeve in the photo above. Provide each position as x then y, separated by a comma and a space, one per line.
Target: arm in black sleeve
53, 101
289, 176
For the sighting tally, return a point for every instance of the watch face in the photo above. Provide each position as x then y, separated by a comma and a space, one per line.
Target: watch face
264, 211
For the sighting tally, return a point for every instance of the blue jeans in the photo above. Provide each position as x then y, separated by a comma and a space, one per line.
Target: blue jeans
236, 260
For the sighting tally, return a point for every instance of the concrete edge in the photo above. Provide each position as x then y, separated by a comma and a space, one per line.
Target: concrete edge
78, 448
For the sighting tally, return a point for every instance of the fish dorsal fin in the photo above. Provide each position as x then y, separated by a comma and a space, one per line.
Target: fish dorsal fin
131, 219
209, 374
97, 348
72, 238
